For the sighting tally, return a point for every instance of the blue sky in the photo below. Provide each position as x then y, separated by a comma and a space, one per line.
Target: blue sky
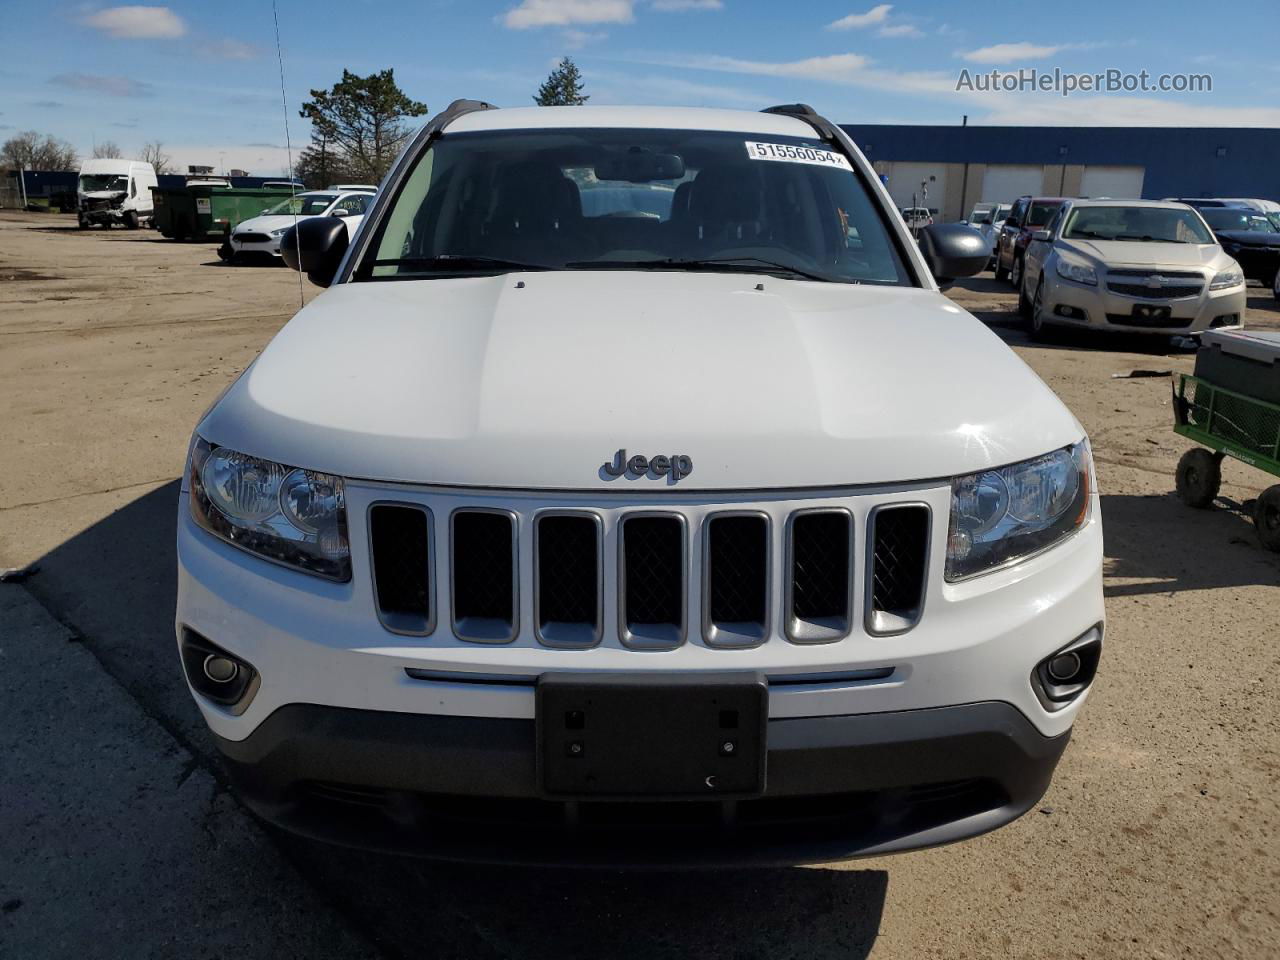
203, 77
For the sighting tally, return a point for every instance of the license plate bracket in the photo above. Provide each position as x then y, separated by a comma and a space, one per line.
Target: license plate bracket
652, 736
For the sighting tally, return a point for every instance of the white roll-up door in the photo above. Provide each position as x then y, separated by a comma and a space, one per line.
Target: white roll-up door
1119, 183
1006, 182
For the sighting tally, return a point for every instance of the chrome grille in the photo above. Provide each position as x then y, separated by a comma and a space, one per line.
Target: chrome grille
483, 546
769, 571
899, 538
736, 578
400, 554
820, 548
651, 580
1172, 283
567, 568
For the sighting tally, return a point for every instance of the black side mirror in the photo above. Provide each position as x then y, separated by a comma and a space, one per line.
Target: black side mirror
315, 246
953, 250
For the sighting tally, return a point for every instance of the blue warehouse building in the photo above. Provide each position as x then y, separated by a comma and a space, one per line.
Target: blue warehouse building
955, 167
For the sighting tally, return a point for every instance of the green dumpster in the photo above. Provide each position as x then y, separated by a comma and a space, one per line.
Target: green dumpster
210, 211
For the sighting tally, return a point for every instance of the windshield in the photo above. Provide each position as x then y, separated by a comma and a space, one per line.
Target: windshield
1237, 218
1042, 213
1001, 213
1152, 224
303, 205
92, 183
633, 199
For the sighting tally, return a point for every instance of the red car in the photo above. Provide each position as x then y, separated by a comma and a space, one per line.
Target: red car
1028, 215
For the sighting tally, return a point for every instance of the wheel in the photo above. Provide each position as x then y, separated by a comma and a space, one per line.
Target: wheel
1036, 327
1015, 273
1024, 305
1275, 286
131, 219
82, 223
1199, 477
1266, 517
1001, 272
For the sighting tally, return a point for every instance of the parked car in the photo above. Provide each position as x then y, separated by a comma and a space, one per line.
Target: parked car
261, 235
482, 536
1027, 215
111, 191
1251, 237
1130, 265
917, 217
987, 219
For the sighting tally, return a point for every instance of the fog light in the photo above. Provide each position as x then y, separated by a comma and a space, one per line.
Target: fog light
216, 675
1064, 675
220, 669
1061, 668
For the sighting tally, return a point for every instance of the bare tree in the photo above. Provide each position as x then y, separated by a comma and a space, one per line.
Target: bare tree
153, 153
107, 150
30, 150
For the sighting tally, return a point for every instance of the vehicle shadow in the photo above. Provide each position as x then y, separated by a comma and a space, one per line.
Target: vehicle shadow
114, 584
1157, 544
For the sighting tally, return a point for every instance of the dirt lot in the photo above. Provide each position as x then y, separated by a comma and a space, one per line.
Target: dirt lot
1158, 837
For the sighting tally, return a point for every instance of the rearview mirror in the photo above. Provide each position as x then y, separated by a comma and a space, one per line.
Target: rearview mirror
1043, 235
639, 166
340, 212
953, 250
315, 246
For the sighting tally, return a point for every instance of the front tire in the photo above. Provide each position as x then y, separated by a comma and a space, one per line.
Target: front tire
131, 219
1001, 272
1275, 286
1199, 478
1015, 273
1266, 518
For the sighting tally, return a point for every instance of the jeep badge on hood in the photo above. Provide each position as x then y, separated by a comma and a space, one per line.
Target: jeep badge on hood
674, 466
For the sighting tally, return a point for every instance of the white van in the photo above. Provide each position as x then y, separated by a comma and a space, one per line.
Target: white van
115, 191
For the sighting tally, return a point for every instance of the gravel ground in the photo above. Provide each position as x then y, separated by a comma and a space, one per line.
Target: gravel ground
1158, 837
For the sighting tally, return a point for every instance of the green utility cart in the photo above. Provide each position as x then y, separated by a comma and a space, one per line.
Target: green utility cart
1231, 406
207, 211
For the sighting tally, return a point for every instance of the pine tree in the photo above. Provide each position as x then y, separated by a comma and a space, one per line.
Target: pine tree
563, 88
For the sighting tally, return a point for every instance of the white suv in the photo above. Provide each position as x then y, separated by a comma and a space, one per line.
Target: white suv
633, 495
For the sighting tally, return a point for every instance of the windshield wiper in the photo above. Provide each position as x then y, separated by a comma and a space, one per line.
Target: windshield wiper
452, 262
711, 264
1088, 234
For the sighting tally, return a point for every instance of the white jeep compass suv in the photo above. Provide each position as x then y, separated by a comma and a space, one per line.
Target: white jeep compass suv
632, 495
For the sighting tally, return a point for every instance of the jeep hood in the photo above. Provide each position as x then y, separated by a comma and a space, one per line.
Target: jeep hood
534, 380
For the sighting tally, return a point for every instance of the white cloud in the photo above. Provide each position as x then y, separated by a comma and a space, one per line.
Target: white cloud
647, 89
678, 6
137, 22
900, 30
227, 49
577, 39
842, 69
856, 21
1009, 52
111, 86
562, 13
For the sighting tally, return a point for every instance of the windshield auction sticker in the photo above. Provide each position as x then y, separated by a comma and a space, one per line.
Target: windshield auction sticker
790, 153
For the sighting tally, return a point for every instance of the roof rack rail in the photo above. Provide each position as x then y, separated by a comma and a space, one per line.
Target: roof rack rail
802, 111
455, 110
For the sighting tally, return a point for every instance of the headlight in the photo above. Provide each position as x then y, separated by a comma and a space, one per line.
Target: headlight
1001, 516
1231, 277
1077, 272
294, 517
280, 232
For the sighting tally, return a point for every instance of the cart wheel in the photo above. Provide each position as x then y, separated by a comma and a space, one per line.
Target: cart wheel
1266, 518
1199, 477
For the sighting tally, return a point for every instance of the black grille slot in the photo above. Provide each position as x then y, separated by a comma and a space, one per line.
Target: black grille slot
568, 571
484, 575
899, 559
400, 545
821, 568
653, 574
737, 579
